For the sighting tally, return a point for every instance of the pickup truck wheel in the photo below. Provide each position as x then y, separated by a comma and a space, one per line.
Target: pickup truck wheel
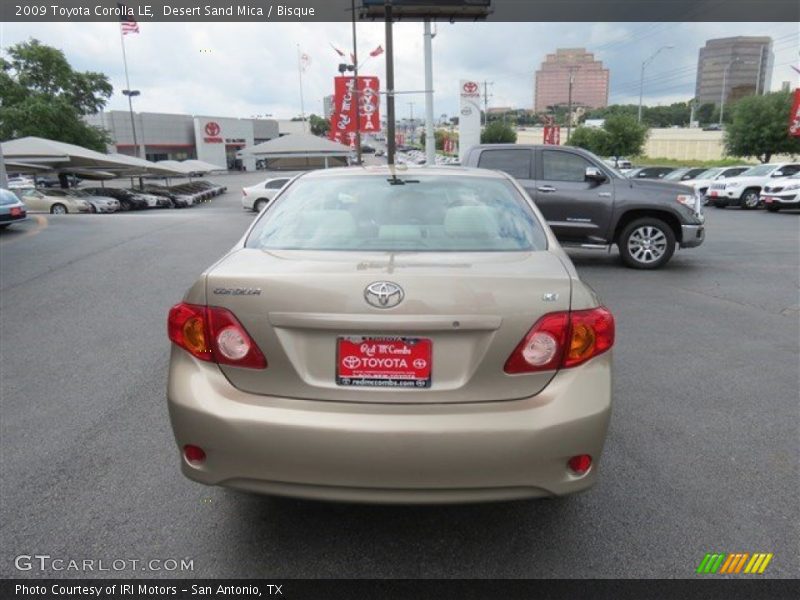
646, 243
750, 199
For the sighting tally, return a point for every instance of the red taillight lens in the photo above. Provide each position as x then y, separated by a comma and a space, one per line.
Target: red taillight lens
214, 334
194, 454
231, 342
188, 328
580, 464
543, 347
591, 333
563, 340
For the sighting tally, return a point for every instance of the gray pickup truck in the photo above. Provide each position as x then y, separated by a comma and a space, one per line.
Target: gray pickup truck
590, 205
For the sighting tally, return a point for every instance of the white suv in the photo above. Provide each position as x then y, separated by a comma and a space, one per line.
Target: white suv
745, 190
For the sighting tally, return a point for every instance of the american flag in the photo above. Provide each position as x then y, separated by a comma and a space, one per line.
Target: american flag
127, 22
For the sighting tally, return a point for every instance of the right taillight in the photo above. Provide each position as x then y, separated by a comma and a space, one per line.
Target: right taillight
213, 334
563, 340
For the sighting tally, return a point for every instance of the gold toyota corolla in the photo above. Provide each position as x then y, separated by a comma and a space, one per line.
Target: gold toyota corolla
393, 335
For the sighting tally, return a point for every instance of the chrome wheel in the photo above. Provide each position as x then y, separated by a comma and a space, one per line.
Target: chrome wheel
647, 244
750, 200
58, 209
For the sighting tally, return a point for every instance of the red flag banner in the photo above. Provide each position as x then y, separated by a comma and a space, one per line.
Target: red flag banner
343, 119
377, 52
552, 135
794, 117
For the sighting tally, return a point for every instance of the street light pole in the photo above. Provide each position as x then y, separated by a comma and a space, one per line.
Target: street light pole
569, 100
390, 139
641, 77
430, 136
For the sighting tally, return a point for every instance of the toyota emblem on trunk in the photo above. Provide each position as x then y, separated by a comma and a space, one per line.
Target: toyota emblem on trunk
383, 294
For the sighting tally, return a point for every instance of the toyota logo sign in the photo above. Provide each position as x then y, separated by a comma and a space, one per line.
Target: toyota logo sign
470, 87
212, 128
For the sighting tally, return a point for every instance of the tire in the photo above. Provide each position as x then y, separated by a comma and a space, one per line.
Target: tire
58, 209
646, 243
259, 205
773, 208
92, 208
4, 226
749, 199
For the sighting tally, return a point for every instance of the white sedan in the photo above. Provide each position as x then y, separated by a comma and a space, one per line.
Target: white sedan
256, 197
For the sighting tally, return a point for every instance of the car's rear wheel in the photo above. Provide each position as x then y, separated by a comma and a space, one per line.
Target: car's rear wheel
92, 208
259, 205
58, 209
750, 199
646, 243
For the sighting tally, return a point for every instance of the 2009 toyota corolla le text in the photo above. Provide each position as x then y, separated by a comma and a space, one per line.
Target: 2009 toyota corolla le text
419, 336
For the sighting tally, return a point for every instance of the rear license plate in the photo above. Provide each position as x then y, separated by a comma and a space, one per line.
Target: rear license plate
16, 212
393, 362
713, 193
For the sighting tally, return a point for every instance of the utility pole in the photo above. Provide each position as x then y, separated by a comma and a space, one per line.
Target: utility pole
486, 85
430, 135
355, 84
569, 101
641, 77
390, 140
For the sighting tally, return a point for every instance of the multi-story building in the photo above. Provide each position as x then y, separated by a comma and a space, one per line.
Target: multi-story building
327, 106
743, 64
589, 84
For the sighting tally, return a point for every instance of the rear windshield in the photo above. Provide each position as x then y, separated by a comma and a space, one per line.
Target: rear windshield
7, 197
409, 213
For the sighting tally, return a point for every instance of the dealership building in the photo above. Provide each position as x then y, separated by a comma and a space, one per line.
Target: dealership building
215, 140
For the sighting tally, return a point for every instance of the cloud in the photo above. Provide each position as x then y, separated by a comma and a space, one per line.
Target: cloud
243, 69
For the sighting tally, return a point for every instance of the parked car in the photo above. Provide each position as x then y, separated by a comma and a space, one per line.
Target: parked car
683, 174
745, 190
12, 209
153, 200
589, 205
649, 172
97, 204
785, 194
127, 200
702, 181
256, 197
374, 366
17, 181
39, 201
55, 182
178, 200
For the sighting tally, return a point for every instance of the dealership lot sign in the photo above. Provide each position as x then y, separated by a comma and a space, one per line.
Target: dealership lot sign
469, 116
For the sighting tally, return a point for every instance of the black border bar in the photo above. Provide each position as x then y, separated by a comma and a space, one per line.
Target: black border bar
339, 10
406, 589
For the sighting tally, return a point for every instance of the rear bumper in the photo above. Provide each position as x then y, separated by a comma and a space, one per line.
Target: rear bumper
389, 452
692, 235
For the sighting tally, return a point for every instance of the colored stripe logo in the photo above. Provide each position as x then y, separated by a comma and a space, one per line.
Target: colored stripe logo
735, 563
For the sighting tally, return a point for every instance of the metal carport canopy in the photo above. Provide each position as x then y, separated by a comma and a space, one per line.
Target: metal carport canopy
59, 156
296, 145
137, 166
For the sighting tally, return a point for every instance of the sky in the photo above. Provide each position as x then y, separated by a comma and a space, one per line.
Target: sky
248, 69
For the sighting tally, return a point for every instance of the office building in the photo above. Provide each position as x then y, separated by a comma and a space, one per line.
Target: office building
590, 80
743, 64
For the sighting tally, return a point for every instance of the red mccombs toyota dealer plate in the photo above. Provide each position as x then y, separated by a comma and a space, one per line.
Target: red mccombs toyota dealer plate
395, 362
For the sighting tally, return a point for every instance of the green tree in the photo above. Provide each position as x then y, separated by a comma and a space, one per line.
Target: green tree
41, 95
592, 139
621, 135
760, 127
498, 132
319, 125
704, 113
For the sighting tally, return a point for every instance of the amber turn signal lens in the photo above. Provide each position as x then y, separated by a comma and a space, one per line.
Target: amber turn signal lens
194, 335
582, 343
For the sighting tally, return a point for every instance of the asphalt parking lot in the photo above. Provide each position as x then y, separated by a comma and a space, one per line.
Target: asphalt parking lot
702, 455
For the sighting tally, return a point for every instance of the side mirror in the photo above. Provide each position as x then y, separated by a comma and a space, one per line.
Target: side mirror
594, 174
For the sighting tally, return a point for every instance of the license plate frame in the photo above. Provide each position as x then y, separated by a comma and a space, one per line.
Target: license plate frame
393, 362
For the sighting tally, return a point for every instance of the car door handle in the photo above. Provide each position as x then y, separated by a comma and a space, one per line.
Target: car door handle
546, 188
604, 194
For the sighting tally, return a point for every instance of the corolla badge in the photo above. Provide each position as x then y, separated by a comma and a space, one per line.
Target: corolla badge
383, 294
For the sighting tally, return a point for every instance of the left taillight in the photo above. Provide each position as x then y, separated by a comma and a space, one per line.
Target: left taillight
213, 334
562, 340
